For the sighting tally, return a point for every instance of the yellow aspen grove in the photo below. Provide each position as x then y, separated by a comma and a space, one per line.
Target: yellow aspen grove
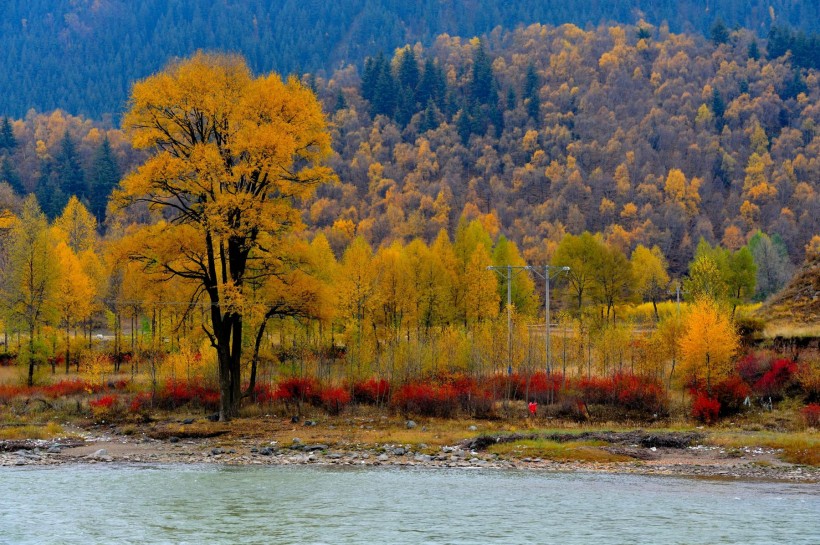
230, 156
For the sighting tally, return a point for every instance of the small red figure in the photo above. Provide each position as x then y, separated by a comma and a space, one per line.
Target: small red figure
533, 406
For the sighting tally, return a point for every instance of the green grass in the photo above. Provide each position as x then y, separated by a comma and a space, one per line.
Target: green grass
571, 451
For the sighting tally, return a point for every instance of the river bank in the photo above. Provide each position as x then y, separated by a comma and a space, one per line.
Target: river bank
369, 442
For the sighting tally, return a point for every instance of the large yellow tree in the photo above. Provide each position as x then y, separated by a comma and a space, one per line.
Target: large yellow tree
709, 343
230, 157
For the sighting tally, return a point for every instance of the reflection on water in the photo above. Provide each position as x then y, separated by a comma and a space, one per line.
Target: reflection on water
196, 505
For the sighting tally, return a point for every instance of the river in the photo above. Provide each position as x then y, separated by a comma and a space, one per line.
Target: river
309, 505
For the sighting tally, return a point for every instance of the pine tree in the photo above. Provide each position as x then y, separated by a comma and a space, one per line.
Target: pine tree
10, 176
68, 169
530, 95
103, 178
482, 82
7, 140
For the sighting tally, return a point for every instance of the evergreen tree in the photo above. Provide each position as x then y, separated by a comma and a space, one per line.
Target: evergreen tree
7, 140
432, 85
531, 98
408, 70
430, 118
49, 192
341, 102
482, 82
10, 176
754, 50
719, 34
69, 171
103, 178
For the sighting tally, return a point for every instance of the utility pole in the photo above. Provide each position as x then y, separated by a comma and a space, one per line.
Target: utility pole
509, 272
547, 276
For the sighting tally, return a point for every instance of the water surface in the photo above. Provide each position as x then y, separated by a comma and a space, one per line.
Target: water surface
206, 504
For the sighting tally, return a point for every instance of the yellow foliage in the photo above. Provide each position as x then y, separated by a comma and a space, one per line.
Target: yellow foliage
709, 343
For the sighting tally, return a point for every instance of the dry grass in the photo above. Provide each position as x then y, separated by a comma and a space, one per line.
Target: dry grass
791, 329
9, 375
796, 447
572, 451
32, 431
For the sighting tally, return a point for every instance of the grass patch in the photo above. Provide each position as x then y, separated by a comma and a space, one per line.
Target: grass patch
31, 431
572, 451
797, 447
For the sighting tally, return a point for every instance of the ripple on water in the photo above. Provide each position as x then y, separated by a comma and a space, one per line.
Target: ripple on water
205, 504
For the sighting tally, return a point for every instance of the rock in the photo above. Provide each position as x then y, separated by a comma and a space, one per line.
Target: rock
312, 448
424, 458
383, 457
217, 451
311, 458
254, 450
294, 419
188, 421
101, 455
267, 451
213, 417
472, 428
310, 422
334, 456
296, 441
173, 439
54, 450
399, 451
422, 446
410, 424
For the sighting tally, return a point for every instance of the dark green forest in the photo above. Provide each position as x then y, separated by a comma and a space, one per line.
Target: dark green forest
83, 55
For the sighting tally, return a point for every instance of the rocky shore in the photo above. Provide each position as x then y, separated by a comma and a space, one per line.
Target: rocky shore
646, 457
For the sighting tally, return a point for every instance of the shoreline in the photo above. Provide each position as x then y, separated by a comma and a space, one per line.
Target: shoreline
698, 461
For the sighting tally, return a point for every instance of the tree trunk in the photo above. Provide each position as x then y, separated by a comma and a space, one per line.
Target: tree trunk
67, 349
31, 355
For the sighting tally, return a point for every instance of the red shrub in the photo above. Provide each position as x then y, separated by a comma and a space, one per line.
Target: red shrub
372, 391
296, 389
140, 402
541, 388
597, 390
705, 409
775, 380
103, 404
752, 367
473, 398
66, 388
334, 399
811, 415
426, 399
176, 393
639, 393
262, 393
731, 393
9, 392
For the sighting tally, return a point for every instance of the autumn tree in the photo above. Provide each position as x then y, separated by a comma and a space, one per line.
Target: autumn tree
73, 294
230, 156
709, 343
582, 255
650, 276
32, 274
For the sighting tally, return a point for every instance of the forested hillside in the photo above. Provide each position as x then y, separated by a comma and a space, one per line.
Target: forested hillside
647, 136
83, 55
